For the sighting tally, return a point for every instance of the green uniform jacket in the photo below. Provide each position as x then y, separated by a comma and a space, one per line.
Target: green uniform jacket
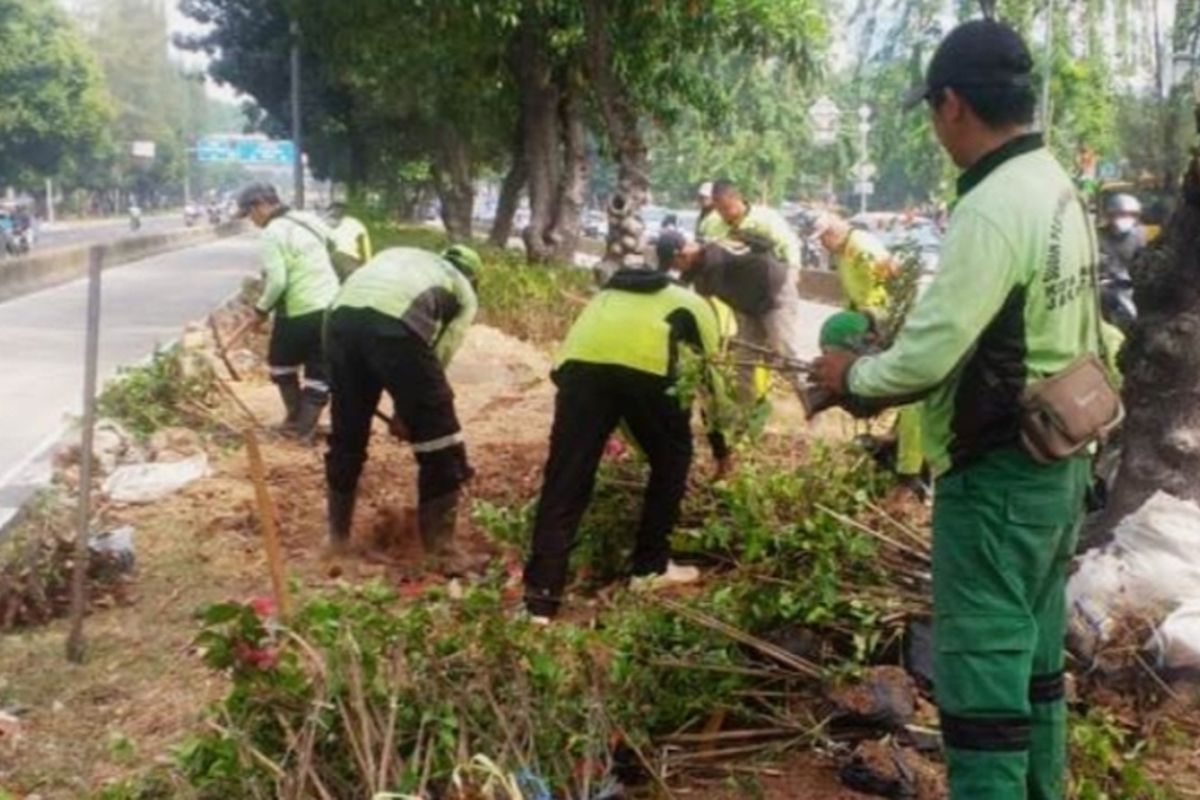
861, 267
351, 237
298, 277
1013, 301
639, 321
710, 226
421, 289
761, 225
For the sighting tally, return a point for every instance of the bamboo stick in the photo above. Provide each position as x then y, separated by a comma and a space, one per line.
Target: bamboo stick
266, 513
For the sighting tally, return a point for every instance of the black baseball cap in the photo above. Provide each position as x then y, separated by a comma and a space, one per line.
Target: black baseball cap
982, 52
255, 193
668, 246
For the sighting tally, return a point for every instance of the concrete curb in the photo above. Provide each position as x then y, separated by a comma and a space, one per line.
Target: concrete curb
32, 273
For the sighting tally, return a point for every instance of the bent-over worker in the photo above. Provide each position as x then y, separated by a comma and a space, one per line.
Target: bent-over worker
394, 326
619, 364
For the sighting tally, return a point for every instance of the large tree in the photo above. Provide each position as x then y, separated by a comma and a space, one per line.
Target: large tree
54, 101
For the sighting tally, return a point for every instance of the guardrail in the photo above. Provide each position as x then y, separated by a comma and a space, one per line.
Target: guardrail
42, 270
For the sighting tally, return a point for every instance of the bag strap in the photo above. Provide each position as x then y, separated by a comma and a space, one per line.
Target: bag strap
325, 240
1093, 267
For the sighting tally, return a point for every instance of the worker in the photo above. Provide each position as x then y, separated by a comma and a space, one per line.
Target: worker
1122, 239
351, 240
864, 266
755, 226
619, 364
709, 221
751, 283
1012, 301
394, 327
865, 269
742, 229
299, 282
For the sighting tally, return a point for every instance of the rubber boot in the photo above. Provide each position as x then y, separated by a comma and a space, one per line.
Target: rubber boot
341, 515
293, 398
311, 405
438, 523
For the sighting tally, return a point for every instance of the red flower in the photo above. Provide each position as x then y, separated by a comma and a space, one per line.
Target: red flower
264, 607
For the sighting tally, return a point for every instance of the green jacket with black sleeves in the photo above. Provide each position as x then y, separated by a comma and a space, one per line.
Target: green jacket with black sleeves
1013, 301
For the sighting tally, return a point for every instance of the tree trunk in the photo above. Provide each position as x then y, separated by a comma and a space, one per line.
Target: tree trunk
1161, 363
452, 179
624, 246
573, 180
540, 97
510, 190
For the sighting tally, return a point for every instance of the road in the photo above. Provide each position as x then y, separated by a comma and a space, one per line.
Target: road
94, 232
145, 304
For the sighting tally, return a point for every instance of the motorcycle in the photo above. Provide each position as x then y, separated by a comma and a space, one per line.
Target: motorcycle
19, 242
214, 215
191, 214
1116, 301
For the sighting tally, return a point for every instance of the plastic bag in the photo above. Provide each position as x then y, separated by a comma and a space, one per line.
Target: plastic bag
145, 483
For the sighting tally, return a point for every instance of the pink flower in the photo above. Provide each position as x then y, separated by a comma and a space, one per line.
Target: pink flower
264, 607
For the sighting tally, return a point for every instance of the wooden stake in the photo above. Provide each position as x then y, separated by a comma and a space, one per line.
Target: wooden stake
221, 349
75, 641
266, 513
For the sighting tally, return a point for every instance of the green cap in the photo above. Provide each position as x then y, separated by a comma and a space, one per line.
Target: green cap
465, 259
845, 330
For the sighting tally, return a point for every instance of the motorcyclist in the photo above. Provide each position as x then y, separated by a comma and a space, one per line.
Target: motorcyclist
1122, 238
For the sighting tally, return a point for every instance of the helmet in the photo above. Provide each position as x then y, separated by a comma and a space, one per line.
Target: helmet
1122, 205
465, 259
845, 330
705, 190
255, 193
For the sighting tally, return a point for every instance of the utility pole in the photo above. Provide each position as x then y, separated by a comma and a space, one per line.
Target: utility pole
863, 173
298, 158
187, 134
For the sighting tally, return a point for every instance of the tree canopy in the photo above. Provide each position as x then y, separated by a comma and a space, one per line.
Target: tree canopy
54, 106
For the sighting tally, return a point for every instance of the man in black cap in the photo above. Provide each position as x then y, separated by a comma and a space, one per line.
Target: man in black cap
299, 283
1013, 302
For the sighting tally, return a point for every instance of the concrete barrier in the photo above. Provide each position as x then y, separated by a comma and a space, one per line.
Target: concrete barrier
41, 270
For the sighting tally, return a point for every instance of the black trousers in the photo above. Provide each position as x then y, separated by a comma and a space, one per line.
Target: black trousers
370, 353
296, 344
592, 399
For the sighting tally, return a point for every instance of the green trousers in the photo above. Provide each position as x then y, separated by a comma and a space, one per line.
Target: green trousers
1004, 531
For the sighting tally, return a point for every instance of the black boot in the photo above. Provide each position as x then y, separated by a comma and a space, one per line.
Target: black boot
293, 398
341, 515
311, 405
438, 522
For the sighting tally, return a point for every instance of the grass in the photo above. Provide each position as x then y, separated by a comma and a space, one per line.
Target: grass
532, 302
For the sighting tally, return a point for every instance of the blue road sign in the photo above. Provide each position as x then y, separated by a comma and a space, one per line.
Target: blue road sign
245, 150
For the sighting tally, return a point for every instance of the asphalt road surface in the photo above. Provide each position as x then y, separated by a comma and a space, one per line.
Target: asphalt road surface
145, 304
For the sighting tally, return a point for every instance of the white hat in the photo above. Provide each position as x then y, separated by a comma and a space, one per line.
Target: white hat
705, 190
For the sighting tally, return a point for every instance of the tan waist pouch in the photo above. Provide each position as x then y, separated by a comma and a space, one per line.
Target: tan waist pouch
1063, 414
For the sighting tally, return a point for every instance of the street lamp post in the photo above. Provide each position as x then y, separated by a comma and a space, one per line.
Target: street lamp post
863, 174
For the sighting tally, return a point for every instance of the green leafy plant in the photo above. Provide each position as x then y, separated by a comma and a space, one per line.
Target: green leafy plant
1108, 761
161, 393
530, 301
